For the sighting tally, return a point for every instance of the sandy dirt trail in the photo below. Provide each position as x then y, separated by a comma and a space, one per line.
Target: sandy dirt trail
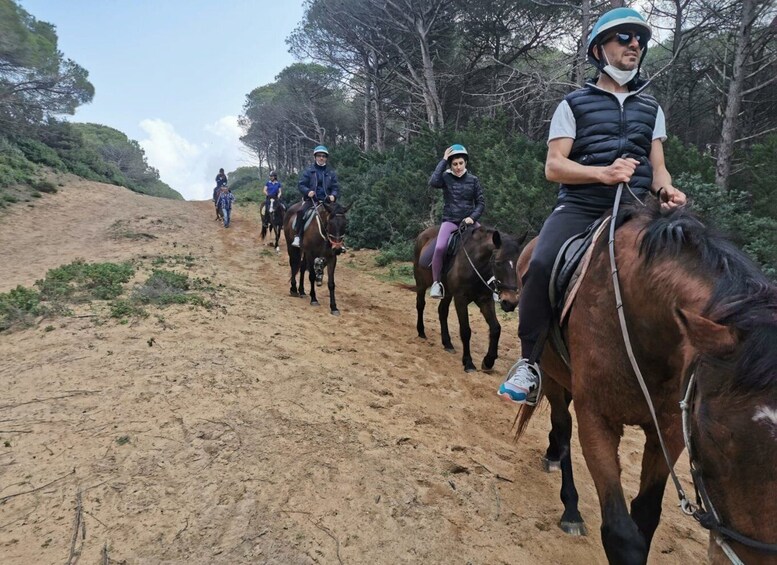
264, 430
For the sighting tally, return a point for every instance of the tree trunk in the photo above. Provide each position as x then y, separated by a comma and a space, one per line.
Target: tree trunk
734, 98
582, 50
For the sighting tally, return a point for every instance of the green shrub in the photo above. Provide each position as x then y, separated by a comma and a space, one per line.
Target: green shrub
18, 307
45, 186
127, 309
81, 282
396, 251
162, 288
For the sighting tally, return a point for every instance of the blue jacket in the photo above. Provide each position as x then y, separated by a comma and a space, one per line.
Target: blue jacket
273, 188
221, 180
321, 179
462, 196
226, 200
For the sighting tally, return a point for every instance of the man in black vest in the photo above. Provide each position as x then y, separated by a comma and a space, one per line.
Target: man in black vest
603, 134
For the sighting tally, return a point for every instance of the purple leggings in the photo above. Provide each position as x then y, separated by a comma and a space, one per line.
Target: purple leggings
446, 229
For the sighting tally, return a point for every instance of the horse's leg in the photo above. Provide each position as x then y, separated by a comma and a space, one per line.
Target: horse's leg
623, 543
312, 279
442, 311
560, 435
465, 332
646, 506
294, 264
494, 331
330, 283
420, 304
552, 459
303, 266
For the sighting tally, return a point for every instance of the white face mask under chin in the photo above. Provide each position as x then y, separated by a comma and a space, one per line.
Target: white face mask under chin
618, 75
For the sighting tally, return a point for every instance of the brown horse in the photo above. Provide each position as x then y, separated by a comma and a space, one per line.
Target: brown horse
275, 225
484, 265
322, 242
702, 324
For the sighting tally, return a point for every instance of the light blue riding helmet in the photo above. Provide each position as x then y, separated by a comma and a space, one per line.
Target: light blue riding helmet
321, 149
623, 18
458, 149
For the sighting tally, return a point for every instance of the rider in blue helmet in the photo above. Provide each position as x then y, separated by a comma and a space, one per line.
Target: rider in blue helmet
317, 183
463, 201
606, 133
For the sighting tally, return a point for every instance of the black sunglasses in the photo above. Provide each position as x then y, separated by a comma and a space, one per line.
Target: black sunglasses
625, 37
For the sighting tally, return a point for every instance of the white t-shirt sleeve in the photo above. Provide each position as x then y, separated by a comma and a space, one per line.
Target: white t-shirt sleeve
659, 130
562, 124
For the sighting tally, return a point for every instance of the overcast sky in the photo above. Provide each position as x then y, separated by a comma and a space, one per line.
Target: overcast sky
174, 74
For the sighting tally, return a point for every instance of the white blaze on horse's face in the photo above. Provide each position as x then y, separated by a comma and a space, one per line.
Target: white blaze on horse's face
768, 417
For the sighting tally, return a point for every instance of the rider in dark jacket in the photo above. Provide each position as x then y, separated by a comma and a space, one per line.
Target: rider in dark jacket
317, 183
463, 201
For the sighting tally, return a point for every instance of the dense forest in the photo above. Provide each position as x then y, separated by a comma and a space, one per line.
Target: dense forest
388, 84
38, 86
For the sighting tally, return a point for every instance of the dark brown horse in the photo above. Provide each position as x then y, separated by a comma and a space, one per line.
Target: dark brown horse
275, 225
700, 317
322, 242
484, 265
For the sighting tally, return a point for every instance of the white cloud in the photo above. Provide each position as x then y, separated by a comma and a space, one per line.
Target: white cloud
190, 167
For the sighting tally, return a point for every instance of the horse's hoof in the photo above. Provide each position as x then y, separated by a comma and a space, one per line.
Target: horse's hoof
422, 335
335, 312
487, 367
550, 466
470, 369
573, 528
319, 283
314, 303
293, 293
301, 294
449, 349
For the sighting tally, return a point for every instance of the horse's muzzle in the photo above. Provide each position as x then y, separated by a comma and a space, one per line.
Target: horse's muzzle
508, 300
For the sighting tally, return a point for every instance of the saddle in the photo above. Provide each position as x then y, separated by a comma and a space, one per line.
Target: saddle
569, 270
454, 243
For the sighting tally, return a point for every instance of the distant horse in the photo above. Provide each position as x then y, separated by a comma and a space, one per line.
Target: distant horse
322, 242
484, 265
701, 321
276, 213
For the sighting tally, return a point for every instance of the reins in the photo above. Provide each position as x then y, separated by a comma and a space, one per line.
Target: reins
709, 519
493, 280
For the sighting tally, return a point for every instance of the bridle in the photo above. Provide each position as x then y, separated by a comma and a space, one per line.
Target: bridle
493, 284
334, 241
708, 519
704, 511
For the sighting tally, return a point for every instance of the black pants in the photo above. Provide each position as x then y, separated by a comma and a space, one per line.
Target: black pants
307, 204
535, 312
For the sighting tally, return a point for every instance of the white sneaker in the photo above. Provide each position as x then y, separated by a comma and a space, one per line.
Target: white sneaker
295, 243
522, 385
437, 290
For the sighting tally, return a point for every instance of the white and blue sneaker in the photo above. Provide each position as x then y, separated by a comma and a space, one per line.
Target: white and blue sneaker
295, 243
522, 385
437, 290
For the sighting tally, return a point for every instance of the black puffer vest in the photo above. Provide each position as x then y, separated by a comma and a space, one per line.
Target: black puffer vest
605, 131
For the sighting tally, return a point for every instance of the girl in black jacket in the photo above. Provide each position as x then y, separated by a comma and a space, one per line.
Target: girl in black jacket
463, 201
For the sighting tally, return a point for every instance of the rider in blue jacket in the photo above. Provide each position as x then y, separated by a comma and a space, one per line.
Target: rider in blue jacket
317, 183
272, 189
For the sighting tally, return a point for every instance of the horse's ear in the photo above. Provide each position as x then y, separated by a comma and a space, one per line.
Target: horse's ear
522, 238
705, 335
328, 207
347, 207
497, 239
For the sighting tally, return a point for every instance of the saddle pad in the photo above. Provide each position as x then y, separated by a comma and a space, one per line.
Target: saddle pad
425, 260
581, 271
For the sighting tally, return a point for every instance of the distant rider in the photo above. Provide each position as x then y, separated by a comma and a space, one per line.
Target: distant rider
272, 189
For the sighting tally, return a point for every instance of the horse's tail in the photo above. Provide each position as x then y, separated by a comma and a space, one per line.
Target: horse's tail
525, 412
264, 231
405, 286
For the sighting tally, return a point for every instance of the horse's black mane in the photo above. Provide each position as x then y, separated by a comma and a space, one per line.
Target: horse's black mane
742, 296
